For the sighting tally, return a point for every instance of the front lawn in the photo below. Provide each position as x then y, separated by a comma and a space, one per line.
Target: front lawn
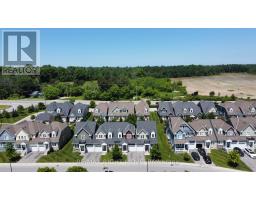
3, 158
66, 154
108, 157
220, 158
3, 107
167, 153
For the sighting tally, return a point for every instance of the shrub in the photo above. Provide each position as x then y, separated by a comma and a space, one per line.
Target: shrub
186, 157
76, 169
92, 104
32, 117
11, 153
46, 169
155, 153
41, 106
233, 158
117, 154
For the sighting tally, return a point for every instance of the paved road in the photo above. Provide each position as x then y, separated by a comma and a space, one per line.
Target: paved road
135, 156
117, 167
31, 157
249, 162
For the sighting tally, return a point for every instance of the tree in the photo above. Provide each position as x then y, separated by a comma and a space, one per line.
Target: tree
46, 169
32, 117
51, 92
155, 153
117, 153
41, 106
14, 113
233, 158
186, 157
20, 109
148, 102
92, 104
212, 93
233, 97
6, 114
76, 169
131, 119
91, 90
11, 153
31, 109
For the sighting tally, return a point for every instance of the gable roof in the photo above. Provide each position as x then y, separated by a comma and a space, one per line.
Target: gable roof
231, 108
199, 124
219, 123
142, 109
184, 108
241, 123
165, 109
83, 107
148, 126
44, 117
88, 126
121, 108
176, 122
101, 110
246, 107
206, 106
115, 128
65, 108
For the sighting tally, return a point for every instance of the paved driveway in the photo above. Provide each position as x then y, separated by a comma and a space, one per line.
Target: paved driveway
135, 156
249, 162
31, 157
92, 157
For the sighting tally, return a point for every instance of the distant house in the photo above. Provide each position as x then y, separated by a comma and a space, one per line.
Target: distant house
39, 137
183, 109
44, 117
123, 134
120, 110
101, 111
142, 110
247, 107
78, 111
208, 107
229, 109
165, 110
246, 127
67, 111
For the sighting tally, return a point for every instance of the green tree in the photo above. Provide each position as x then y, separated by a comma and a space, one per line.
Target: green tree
11, 153
31, 109
91, 90
51, 92
46, 169
155, 153
76, 169
233, 158
32, 117
131, 119
117, 153
14, 113
92, 104
20, 109
41, 106
186, 157
212, 93
6, 114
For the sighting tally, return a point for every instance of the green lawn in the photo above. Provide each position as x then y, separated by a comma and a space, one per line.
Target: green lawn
3, 158
108, 158
15, 119
165, 148
220, 158
66, 154
2, 107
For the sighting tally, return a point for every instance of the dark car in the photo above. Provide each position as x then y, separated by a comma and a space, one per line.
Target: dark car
238, 150
201, 151
195, 156
207, 159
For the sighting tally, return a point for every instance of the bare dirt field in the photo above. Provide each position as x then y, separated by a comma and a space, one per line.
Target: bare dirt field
240, 84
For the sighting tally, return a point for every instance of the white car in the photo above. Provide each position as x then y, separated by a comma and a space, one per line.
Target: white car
250, 153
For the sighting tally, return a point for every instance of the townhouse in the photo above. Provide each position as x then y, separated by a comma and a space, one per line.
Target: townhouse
165, 110
67, 111
184, 109
34, 136
229, 109
208, 107
246, 107
128, 137
119, 111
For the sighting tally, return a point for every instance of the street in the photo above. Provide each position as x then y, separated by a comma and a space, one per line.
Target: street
117, 167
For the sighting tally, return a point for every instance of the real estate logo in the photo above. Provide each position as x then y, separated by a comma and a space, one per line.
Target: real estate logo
20, 53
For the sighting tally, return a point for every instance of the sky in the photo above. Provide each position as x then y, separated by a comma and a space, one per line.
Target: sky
139, 47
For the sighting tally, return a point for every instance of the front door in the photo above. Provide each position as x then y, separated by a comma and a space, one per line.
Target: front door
46, 146
147, 147
104, 148
251, 143
125, 147
82, 148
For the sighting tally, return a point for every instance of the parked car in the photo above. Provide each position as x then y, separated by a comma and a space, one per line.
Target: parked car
207, 159
238, 150
250, 153
195, 156
201, 151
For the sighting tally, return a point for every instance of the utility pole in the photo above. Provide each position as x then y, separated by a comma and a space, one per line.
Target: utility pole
10, 166
147, 165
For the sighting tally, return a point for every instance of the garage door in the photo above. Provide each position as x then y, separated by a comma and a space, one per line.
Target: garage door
41, 148
132, 147
140, 148
35, 148
97, 148
90, 148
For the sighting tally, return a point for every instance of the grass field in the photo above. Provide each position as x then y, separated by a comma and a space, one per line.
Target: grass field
108, 157
2, 107
3, 158
15, 119
66, 154
220, 158
242, 85
167, 153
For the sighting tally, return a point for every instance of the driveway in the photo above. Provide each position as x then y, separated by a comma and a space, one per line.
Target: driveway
135, 156
92, 157
31, 157
249, 162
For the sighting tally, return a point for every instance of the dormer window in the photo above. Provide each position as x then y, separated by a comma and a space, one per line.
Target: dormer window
191, 110
119, 135
79, 111
109, 135
210, 131
96, 110
53, 134
185, 110
253, 110
58, 110
146, 110
220, 131
153, 135
230, 109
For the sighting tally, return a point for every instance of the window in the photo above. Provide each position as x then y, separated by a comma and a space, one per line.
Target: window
58, 110
230, 109
253, 110
153, 135
96, 110
191, 110
119, 135
79, 111
109, 135
185, 110
210, 131
220, 131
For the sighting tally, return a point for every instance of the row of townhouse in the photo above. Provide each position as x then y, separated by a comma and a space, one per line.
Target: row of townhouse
130, 138
211, 133
28, 136
67, 111
120, 110
240, 108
